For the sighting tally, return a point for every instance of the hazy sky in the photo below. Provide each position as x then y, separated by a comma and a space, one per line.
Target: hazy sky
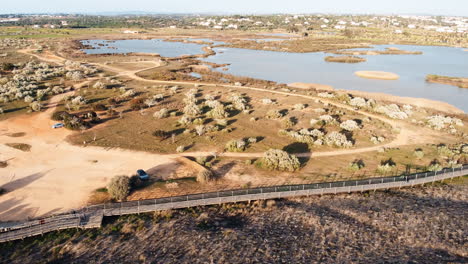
443, 7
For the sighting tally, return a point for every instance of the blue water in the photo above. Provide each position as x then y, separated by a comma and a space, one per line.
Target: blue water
285, 67
164, 48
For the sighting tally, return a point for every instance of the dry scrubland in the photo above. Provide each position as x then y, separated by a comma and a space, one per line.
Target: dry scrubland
134, 102
420, 225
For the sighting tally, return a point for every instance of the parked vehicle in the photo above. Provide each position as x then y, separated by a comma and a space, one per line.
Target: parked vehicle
58, 125
142, 175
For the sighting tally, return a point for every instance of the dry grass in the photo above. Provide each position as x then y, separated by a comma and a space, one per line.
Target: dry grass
455, 81
134, 130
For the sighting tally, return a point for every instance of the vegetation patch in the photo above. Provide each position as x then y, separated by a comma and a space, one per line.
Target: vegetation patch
20, 146
345, 59
455, 81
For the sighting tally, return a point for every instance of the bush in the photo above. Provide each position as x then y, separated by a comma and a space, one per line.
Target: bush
201, 160
60, 115
350, 125
274, 114
6, 66
160, 134
99, 107
356, 165
236, 146
192, 110
386, 166
434, 166
180, 149
205, 176
163, 113
288, 122
275, 159
137, 104
119, 187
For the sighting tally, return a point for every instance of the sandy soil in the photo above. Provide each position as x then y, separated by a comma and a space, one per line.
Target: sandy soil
56, 176
380, 75
317, 86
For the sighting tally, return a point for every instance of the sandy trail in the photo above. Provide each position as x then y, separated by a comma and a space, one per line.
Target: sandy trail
56, 176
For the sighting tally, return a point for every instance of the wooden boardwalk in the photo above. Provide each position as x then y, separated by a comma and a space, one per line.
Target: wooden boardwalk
91, 217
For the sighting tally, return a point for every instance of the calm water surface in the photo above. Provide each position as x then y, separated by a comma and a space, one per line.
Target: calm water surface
286, 67
164, 48
311, 68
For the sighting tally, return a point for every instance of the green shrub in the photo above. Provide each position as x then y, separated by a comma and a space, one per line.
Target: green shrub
434, 166
119, 187
275, 159
288, 123
236, 145
386, 166
356, 165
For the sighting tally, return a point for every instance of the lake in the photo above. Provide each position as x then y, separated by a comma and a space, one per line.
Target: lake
164, 48
286, 67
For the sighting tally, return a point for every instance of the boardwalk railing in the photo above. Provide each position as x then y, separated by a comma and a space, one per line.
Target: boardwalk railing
91, 217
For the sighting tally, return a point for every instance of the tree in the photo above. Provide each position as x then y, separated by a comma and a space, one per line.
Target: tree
119, 187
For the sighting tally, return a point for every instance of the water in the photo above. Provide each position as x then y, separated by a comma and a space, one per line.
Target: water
164, 48
285, 67
196, 75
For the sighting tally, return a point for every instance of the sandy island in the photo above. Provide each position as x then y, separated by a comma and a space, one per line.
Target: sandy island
380, 75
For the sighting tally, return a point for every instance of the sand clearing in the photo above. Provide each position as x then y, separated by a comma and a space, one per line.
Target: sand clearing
56, 176
380, 75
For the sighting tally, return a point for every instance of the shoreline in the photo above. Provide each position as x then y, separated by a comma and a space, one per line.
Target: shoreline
416, 101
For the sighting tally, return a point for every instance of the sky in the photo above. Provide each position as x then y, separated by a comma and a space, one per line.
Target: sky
435, 7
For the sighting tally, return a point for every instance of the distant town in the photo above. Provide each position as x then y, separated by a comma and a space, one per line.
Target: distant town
400, 24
